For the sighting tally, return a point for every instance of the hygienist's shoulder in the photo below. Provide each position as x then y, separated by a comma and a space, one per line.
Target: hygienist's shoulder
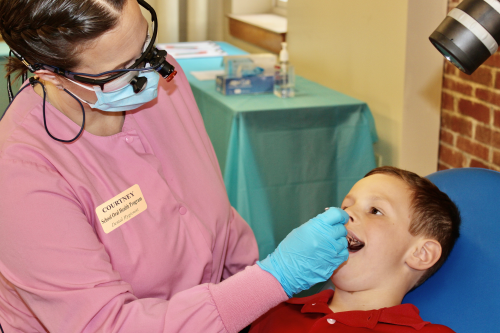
20, 108
22, 133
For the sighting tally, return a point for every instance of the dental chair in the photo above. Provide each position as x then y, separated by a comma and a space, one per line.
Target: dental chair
465, 293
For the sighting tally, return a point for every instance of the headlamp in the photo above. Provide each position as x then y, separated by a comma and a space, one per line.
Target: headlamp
470, 34
151, 59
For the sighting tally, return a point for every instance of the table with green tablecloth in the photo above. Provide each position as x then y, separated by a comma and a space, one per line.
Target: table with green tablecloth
284, 160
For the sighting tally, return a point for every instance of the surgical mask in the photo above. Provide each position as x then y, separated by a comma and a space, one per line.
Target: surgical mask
124, 99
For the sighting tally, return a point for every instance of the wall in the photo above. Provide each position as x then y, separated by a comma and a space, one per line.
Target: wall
169, 17
470, 123
423, 85
243, 7
377, 52
188, 20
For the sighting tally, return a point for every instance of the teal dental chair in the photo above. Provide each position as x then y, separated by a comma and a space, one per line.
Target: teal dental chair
465, 293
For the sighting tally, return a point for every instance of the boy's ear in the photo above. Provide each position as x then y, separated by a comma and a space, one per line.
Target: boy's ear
427, 253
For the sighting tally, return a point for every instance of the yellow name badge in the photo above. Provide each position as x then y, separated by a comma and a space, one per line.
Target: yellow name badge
119, 210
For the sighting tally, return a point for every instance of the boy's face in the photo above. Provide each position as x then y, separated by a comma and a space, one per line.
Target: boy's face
379, 207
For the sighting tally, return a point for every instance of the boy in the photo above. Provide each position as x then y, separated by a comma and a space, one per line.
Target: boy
401, 230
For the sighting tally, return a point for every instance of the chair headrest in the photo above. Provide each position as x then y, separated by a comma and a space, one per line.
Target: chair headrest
465, 292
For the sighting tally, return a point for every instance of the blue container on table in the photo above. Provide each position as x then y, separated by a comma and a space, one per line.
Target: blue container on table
257, 84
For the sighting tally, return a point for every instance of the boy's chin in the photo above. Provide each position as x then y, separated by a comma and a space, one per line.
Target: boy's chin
340, 274
345, 286
345, 277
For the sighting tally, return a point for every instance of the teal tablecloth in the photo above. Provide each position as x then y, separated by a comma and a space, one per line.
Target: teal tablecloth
284, 160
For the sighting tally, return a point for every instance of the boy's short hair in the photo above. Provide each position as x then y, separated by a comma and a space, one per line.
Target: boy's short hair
433, 214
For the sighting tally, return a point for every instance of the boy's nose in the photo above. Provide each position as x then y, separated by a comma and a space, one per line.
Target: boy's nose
351, 216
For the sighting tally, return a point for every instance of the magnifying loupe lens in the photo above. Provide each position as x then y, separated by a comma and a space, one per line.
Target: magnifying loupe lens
120, 82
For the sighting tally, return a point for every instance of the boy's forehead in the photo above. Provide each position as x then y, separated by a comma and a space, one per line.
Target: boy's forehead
382, 187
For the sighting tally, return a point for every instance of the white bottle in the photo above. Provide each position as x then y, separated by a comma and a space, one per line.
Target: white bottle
284, 78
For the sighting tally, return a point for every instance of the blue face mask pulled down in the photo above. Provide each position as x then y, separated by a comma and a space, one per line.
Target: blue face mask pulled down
124, 99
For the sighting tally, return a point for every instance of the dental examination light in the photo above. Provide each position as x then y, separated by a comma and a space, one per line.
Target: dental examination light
470, 34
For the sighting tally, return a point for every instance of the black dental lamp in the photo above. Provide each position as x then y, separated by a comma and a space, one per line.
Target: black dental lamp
470, 34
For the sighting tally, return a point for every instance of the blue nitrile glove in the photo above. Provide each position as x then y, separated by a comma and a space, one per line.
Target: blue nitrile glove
310, 253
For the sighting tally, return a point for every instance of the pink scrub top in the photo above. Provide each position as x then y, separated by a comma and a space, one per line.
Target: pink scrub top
160, 271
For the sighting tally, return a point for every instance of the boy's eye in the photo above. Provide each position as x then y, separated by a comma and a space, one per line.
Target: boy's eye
375, 211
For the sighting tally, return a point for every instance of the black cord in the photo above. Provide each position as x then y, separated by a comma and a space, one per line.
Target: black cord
9, 89
33, 82
83, 121
1, 329
9, 84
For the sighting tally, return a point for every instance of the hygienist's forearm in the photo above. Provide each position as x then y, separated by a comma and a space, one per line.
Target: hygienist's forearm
242, 250
246, 296
226, 307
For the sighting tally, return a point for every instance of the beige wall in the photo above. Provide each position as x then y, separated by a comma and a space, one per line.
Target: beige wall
167, 12
423, 88
203, 20
356, 47
250, 7
377, 51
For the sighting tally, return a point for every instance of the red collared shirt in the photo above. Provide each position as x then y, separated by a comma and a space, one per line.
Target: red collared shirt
312, 314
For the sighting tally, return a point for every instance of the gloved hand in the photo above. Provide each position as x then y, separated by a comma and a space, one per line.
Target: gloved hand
310, 253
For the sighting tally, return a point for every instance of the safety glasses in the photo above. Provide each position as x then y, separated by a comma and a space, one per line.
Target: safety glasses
117, 80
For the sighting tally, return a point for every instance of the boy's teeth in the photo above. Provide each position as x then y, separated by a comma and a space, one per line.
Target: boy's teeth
354, 244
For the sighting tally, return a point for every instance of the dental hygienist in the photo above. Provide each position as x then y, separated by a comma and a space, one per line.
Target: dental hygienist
113, 211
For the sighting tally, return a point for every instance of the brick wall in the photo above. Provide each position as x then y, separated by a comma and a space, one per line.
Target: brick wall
470, 116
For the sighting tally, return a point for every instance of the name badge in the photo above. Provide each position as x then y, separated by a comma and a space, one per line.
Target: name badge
122, 208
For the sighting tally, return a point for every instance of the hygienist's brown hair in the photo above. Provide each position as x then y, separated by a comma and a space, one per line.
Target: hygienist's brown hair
433, 214
52, 32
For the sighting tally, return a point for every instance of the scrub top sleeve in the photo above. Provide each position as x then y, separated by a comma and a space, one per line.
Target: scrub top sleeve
246, 296
52, 261
242, 247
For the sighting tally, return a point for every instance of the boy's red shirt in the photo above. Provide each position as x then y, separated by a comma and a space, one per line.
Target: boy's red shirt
312, 314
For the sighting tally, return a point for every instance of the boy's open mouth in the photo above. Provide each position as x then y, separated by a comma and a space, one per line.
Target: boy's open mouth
354, 244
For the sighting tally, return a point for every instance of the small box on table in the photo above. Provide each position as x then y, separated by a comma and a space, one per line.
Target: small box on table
244, 85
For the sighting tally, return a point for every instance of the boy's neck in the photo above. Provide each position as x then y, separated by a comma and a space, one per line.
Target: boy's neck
365, 300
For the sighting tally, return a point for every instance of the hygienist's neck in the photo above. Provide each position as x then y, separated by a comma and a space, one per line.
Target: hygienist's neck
97, 122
